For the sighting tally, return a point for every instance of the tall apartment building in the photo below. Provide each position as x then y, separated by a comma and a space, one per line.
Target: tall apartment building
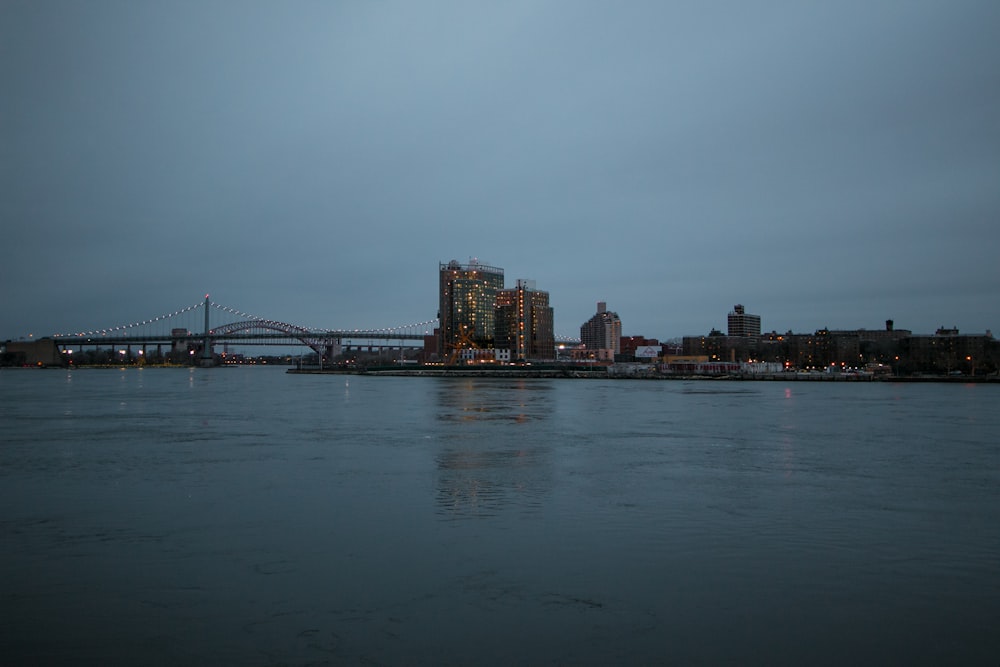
743, 324
603, 331
524, 322
467, 304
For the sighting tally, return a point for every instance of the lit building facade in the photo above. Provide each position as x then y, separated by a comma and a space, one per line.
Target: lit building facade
743, 324
603, 331
467, 305
524, 322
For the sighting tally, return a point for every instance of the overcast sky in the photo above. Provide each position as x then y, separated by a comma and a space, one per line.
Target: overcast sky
826, 164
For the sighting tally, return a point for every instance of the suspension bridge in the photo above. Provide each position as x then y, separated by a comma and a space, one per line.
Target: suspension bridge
194, 333
191, 331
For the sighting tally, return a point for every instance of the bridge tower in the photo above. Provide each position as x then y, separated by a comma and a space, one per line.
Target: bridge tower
206, 345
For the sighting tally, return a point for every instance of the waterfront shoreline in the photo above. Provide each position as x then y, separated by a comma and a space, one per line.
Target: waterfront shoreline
600, 373
603, 374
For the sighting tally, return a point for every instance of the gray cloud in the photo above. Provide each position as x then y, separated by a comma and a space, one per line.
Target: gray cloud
827, 165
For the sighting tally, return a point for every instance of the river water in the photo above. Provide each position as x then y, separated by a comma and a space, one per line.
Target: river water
246, 516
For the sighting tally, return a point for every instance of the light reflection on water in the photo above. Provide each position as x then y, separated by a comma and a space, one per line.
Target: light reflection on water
247, 516
486, 462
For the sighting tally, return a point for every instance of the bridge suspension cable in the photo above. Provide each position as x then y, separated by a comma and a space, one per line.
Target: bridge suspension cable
122, 328
414, 327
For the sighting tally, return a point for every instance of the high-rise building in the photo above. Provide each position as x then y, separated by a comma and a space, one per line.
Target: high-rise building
603, 331
743, 324
467, 305
524, 322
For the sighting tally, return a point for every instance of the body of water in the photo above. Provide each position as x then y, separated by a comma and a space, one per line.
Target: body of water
246, 516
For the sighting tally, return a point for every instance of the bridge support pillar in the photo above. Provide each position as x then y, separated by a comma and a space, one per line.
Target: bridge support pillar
206, 359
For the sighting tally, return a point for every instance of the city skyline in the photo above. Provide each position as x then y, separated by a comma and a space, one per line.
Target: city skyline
736, 312
827, 166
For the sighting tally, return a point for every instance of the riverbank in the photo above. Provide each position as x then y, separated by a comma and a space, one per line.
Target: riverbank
465, 371
603, 372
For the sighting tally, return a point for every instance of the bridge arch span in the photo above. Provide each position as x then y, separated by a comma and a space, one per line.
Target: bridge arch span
321, 346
